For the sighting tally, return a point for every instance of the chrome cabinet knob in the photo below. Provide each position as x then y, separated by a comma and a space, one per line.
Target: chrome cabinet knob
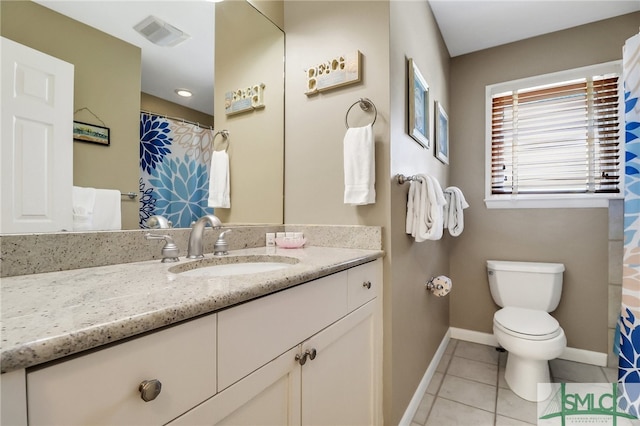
309, 353
150, 389
367, 285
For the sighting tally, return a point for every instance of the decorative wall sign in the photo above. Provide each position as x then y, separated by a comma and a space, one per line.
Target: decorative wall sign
335, 72
242, 100
442, 134
418, 106
85, 132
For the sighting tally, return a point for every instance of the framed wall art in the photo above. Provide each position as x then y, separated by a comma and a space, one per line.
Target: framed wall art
442, 134
86, 132
418, 106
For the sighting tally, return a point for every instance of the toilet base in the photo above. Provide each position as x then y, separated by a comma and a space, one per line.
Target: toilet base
528, 378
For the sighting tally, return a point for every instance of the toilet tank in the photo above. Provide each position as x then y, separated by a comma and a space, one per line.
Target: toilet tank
532, 285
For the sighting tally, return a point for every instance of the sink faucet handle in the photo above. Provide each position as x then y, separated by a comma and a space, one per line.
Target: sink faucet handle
169, 251
221, 246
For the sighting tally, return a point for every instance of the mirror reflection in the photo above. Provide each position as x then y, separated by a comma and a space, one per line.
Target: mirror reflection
109, 89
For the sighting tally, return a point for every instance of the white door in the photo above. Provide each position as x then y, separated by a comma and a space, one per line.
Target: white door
36, 141
339, 384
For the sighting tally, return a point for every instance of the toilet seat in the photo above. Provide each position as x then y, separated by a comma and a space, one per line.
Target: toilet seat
526, 323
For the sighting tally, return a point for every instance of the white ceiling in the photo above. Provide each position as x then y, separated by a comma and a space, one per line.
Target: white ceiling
472, 25
188, 65
466, 25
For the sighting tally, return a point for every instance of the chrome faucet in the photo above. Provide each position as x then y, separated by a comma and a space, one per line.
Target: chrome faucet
194, 250
157, 221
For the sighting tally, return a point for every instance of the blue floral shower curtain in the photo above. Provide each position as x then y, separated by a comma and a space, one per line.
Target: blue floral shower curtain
175, 160
629, 354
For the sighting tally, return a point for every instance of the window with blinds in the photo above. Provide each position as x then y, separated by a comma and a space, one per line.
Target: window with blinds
556, 138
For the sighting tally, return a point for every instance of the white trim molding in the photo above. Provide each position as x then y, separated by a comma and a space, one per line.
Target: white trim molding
410, 412
570, 354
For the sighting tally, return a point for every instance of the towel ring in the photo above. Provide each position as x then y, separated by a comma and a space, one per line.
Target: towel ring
365, 104
225, 137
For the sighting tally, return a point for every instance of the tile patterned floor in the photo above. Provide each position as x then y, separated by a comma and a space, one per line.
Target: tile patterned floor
468, 388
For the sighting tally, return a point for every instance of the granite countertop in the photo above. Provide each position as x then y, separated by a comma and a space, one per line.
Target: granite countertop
50, 315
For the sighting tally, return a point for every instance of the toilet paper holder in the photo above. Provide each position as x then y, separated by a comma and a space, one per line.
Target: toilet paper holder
439, 286
431, 286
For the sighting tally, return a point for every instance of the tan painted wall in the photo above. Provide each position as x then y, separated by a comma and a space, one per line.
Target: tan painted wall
419, 319
250, 50
107, 81
576, 237
272, 9
414, 323
163, 107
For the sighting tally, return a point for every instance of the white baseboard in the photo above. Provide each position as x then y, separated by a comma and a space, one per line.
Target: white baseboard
570, 354
410, 412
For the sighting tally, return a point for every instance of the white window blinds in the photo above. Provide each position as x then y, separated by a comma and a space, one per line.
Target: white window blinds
560, 138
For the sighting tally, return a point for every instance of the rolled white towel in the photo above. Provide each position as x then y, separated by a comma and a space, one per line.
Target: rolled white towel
454, 216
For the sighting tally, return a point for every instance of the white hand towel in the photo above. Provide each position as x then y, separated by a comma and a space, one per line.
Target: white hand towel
219, 193
453, 215
106, 210
425, 214
359, 166
83, 202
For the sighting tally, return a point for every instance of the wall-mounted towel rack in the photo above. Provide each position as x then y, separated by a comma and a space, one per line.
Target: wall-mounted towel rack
225, 138
402, 178
365, 104
132, 195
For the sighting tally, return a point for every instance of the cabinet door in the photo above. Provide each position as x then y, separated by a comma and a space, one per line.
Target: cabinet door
269, 396
340, 386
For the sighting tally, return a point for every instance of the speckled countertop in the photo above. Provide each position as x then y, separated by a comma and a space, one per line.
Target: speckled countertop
50, 315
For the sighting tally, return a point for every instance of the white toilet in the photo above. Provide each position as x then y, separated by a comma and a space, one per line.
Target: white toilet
527, 292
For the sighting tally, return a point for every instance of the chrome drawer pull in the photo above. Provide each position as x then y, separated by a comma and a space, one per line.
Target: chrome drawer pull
367, 285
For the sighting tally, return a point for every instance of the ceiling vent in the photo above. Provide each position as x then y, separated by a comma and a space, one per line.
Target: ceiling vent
160, 33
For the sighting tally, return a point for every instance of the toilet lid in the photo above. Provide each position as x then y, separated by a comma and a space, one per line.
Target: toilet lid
525, 321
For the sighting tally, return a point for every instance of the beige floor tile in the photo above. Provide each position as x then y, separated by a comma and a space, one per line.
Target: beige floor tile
477, 352
502, 383
423, 409
474, 370
511, 405
569, 371
451, 346
468, 392
506, 421
434, 384
451, 413
443, 364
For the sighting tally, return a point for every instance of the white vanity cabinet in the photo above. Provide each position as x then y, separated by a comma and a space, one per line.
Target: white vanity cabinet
308, 355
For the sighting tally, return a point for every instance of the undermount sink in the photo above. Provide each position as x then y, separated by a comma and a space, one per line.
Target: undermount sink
233, 265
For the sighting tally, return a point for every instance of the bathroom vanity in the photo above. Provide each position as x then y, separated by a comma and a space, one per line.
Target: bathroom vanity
139, 344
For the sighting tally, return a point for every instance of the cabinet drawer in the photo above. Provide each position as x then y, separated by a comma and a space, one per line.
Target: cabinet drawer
252, 334
364, 283
101, 388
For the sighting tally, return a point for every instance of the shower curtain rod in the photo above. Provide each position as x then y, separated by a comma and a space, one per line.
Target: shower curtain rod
177, 119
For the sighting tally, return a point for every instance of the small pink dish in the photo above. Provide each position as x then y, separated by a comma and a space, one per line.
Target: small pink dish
289, 243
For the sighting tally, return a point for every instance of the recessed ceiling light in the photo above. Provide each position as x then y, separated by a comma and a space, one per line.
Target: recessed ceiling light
184, 93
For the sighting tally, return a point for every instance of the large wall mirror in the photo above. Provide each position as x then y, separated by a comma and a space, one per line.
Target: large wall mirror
113, 83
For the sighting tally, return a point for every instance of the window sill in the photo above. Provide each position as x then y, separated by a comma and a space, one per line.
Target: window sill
551, 202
